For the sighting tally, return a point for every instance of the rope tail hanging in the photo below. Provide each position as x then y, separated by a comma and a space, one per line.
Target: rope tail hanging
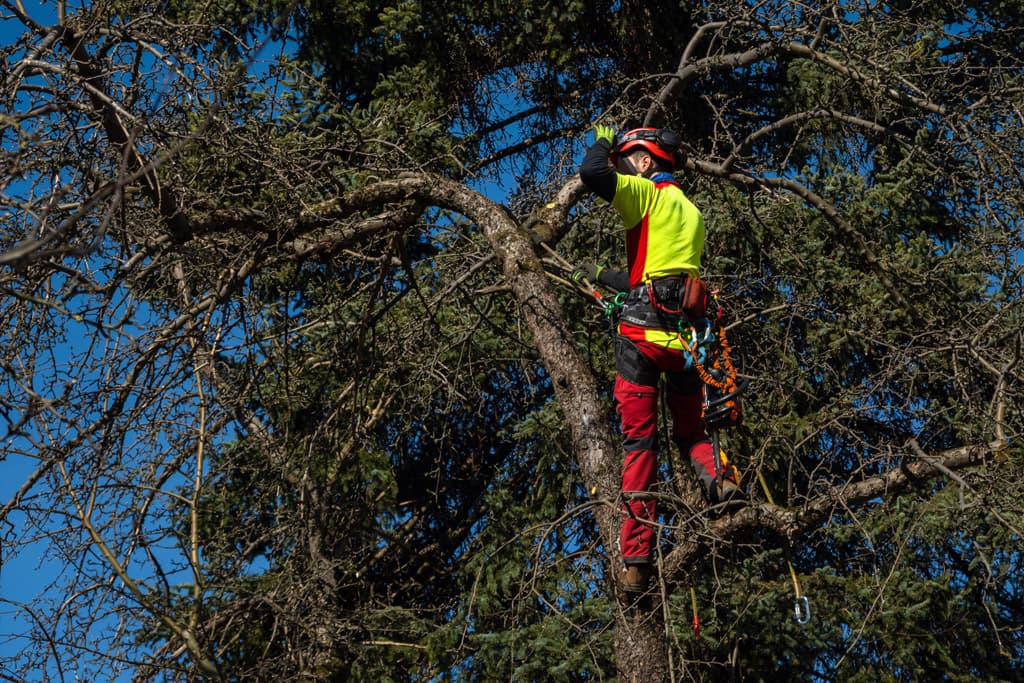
801, 603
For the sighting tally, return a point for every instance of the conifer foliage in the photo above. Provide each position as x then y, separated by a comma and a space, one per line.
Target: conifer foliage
287, 393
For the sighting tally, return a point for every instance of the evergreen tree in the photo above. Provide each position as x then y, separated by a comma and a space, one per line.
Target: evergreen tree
332, 420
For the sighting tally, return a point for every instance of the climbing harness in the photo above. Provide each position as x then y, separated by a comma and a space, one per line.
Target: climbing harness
692, 296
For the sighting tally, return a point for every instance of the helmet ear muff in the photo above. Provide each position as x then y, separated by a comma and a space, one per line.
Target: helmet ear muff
668, 139
670, 142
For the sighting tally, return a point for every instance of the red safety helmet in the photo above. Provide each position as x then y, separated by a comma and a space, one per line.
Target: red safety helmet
658, 142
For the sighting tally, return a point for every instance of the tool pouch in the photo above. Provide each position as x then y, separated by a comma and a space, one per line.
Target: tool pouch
694, 298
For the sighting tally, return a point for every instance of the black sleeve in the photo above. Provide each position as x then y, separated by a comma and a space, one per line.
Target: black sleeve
614, 279
595, 171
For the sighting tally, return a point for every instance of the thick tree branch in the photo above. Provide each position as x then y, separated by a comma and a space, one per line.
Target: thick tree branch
574, 383
793, 523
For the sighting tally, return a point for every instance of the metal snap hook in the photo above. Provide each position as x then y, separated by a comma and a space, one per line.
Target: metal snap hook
802, 610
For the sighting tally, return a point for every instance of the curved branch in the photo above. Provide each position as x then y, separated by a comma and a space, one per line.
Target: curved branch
688, 71
574, 383
794, 523
799, 117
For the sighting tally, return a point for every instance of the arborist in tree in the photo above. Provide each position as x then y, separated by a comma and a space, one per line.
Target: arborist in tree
664, 244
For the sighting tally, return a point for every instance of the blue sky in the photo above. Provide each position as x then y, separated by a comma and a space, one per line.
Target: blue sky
31, 572
26, 574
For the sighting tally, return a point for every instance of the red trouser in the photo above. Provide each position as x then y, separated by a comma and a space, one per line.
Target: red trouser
639, 365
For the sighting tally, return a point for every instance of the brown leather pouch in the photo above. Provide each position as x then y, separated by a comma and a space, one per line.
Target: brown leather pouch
695, 298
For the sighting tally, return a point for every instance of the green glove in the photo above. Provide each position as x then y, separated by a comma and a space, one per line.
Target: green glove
602, 132
586, 271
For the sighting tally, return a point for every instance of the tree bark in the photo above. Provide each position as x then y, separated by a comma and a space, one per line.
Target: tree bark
641, 643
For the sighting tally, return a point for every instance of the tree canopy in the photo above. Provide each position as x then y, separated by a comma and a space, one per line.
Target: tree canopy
288, 392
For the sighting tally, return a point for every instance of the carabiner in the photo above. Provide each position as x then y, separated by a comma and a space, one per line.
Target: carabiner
802, 610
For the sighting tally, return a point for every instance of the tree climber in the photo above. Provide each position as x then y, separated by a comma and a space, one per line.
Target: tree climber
664, 244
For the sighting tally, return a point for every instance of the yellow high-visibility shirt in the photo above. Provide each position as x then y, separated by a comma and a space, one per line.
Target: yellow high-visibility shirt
664, 238
664, 230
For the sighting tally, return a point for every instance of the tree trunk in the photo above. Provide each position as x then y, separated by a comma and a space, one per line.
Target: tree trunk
641, 646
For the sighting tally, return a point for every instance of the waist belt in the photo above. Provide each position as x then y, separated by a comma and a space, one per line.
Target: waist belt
658, 304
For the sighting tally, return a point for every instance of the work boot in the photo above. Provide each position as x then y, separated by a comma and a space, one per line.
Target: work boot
634, 578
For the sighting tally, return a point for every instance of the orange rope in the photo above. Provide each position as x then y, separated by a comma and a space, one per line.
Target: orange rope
721, 361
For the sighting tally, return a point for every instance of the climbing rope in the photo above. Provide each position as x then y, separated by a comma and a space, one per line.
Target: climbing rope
723, 409
801, 603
